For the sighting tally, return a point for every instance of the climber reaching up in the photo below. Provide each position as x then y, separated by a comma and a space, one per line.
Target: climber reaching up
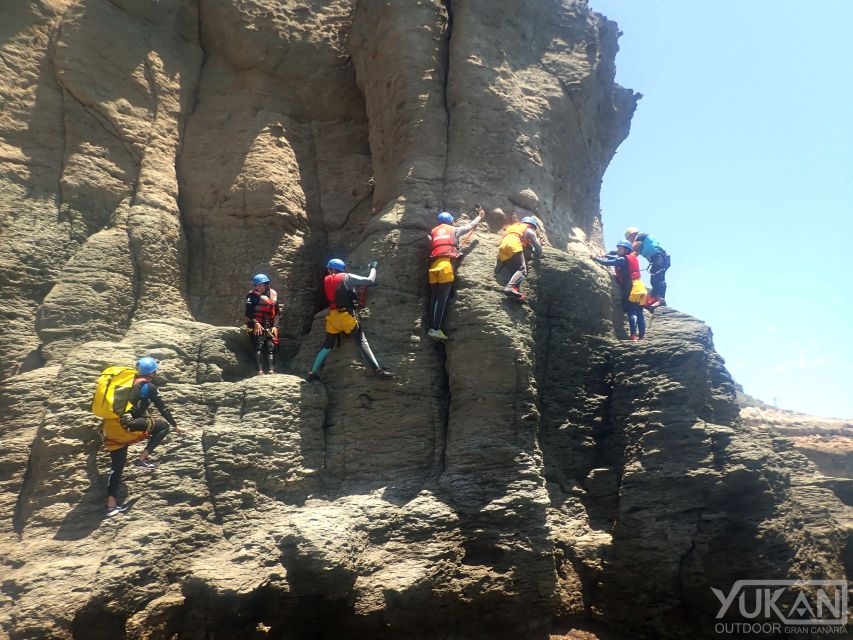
340, 289
649, 247
627, 269
443, 261
517, 237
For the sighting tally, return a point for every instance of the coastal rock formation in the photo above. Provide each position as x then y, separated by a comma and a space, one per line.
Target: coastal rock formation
828, 442
530, 472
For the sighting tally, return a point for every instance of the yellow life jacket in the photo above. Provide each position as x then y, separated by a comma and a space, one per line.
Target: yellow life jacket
111, 399
517, 229
513, 240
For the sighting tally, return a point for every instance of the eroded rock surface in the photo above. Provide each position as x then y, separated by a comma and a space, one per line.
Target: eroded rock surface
534, 469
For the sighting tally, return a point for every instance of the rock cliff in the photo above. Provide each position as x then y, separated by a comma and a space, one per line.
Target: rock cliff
534, 470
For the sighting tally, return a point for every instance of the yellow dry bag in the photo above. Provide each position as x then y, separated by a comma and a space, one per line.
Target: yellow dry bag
113, 392
638, 292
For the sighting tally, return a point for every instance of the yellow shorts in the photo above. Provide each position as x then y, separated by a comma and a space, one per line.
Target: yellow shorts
340, 322
510, 245
440, 270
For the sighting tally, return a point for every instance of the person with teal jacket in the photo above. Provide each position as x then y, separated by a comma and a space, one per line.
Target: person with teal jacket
659, 261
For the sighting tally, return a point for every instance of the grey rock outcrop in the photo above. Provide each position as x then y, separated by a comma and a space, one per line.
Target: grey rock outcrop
535, 468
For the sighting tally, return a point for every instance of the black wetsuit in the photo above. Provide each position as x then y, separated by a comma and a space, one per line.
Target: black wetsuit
142, 395
267, 314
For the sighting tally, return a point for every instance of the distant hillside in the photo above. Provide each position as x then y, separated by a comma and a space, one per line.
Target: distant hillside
828, 442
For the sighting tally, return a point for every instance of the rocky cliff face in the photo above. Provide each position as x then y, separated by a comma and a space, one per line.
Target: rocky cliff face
156, 154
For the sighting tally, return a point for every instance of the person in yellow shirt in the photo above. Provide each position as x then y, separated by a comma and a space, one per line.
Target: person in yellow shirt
517, 237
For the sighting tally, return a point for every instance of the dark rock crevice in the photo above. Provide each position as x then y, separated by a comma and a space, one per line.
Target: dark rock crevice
19, 515
205, 447
50, 58
443, 403
448, 40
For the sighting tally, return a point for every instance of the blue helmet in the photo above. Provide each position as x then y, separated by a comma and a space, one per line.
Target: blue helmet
445, 218
261, 278
146, 365
337, 264
530, 220
625, 245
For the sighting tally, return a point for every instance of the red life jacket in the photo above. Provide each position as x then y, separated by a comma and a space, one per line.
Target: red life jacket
444, 242
633, 266
337, 294
264, 312
633, 269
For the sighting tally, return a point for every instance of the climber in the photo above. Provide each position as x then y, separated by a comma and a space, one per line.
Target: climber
340, 289
134, 425
627, 269
517, 237
443, 258
648, 247
262, 312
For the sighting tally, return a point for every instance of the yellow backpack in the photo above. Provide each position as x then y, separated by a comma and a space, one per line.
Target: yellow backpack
113, 392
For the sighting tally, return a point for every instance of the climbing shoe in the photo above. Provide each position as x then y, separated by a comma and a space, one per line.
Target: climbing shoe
383, 373
514, 294
312, 376
634, 338
148, 465
437, 334
119, 508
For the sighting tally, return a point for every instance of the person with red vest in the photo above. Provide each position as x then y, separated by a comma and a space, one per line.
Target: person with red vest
443, 257
135, 425
517, 237
340, 289
262, 313
634, 293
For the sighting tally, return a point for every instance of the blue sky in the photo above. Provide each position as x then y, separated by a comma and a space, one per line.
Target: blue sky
740, 161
